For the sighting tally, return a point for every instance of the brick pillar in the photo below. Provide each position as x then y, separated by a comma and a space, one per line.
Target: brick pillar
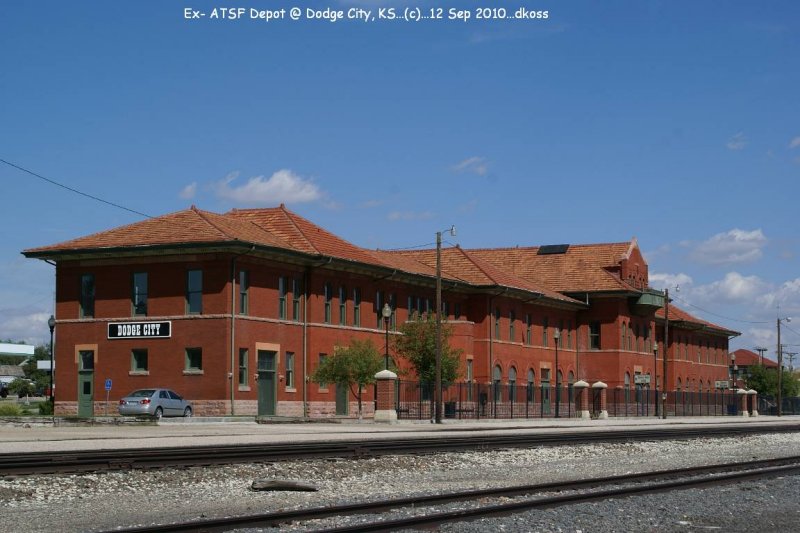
752, 398
741, 396
602, 387
384, 410
581, 389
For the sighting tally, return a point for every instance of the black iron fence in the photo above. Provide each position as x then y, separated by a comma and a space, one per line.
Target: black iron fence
414, 400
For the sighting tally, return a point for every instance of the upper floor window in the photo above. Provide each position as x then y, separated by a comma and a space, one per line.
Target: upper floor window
356, 306
139, 293
569, 334
497, 323
561, 337
282, 291
87, 296
342, 305
297, 290
194, 291
594, 335
624, 335
528, 328
456, 311
512, 317
380, 297
545, 326
289, 370
328, 298
244, 290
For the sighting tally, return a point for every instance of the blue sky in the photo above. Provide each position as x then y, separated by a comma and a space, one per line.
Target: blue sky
674, 122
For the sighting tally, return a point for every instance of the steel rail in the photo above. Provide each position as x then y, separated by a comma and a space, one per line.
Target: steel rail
722, 473
142, 458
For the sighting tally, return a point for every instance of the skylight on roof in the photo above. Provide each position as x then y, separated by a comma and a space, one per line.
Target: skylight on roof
552, 249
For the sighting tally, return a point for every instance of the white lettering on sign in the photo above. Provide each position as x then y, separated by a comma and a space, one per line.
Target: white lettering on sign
129, 330
152, 329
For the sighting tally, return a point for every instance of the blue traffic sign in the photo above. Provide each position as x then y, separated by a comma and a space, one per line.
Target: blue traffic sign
108, 383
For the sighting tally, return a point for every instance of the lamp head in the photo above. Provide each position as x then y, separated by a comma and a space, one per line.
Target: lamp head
452, 231
51, 322
386, 311
556, 334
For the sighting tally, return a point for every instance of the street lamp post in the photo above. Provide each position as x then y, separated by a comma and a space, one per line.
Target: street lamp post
386, 312
557, 337
733, 371
51, 323
438, 386
655, 374
664, 356
780, 363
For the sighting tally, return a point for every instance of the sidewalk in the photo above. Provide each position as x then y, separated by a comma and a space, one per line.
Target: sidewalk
200, 431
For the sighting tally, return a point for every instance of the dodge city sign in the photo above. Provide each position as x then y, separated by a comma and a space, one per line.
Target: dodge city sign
140, 330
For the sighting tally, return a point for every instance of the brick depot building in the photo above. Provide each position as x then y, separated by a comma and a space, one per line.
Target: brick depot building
236, 310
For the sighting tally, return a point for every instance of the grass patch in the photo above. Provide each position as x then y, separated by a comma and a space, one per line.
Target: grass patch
10, 409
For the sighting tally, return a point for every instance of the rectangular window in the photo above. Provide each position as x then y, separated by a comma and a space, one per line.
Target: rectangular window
139, 293
289, 370
322, 384
138, 360
528, 329
561, 335
512, 317
194, 291
457, 311
297, 290
569, 334
282, 289
497, 323
87, 296
194, 359
244, 292
379, 300
469, 380
328, 298
544, 331
393, 305
594, 335
342, 305
243, 366
356, 307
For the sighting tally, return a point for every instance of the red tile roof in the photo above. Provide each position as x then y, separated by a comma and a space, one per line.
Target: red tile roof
581, 268
676, 314
748, 358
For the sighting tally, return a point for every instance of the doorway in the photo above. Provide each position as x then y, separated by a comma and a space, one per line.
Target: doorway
85, 383
267, 382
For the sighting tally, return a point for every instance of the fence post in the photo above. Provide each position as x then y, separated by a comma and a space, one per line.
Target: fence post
753, 396
603, 408
385, 409
582, 399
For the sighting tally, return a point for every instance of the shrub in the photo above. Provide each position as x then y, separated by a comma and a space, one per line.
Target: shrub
10, 409
46, 407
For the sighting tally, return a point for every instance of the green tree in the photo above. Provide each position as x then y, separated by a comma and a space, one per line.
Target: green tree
417, 345
765, 381
354, 365
21, 387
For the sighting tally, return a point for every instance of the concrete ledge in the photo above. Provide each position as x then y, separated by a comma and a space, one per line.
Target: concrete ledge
385, 416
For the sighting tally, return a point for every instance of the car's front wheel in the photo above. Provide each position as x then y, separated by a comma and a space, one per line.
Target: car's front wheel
187, 412
159, 413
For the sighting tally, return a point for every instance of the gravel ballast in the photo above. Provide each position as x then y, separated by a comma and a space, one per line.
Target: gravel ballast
105, 501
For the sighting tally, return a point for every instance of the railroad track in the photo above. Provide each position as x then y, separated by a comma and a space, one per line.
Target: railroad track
577, 491
143, 458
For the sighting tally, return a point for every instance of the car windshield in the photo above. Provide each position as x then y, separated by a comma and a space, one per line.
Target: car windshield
143, 393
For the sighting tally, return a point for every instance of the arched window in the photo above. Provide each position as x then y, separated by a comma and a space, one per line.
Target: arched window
627, 387
678, 386
512, 382
497, 375
531, 378
636, 338
570, 383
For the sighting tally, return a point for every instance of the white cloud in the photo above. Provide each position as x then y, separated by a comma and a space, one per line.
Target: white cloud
733, 288
24, 325
188, 192
794, 143
468, 207
732, 247
282, 186
473, 165
409, 215
737, 142
669, 281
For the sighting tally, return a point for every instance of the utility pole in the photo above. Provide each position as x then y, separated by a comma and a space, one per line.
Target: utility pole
760, 350
664, 355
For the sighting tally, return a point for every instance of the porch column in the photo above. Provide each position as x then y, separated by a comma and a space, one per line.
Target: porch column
742, 396
753, 399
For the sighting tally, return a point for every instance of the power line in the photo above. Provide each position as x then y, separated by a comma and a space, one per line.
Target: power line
76, 191
721, 316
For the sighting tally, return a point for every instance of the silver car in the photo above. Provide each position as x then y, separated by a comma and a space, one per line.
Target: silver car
154, 402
